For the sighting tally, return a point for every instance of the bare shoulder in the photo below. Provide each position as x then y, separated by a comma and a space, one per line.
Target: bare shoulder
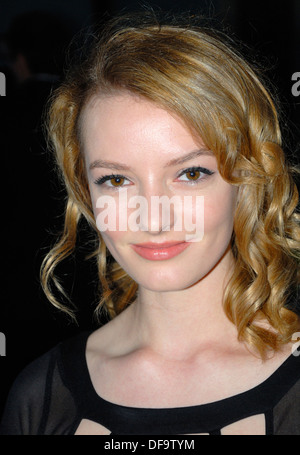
151, 381
111, 340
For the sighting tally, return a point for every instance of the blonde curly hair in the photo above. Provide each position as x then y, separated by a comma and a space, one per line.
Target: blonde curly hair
193, 72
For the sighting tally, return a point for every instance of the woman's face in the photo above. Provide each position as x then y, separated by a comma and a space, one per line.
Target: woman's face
163, 210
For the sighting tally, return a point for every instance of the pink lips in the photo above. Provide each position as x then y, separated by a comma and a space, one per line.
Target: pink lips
159, 251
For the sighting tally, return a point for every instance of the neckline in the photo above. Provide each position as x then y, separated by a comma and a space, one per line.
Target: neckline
121, 419
281, 370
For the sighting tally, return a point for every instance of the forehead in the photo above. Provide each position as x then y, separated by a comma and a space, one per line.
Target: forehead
123, 123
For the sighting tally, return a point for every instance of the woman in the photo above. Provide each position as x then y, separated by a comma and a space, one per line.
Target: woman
170, 147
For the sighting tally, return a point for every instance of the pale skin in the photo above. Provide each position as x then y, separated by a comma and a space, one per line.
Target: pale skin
174, 346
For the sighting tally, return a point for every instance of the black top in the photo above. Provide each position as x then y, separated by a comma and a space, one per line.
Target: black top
54, 393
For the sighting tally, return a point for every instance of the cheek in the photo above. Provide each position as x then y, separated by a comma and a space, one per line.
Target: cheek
112, 213
106, 218
219, 213
106, 213
113, 240
190, 218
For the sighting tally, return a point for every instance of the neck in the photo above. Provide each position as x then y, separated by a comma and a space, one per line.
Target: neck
177, 323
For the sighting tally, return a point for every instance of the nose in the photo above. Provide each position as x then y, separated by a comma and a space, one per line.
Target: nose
157, 211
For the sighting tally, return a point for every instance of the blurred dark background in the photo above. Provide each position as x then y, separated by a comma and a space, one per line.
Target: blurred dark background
34, 36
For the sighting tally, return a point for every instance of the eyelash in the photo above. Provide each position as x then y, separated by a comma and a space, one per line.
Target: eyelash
106, 178
200, 169
102, 180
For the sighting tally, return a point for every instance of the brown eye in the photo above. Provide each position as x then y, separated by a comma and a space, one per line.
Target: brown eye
117, 181
193, 175
112, 181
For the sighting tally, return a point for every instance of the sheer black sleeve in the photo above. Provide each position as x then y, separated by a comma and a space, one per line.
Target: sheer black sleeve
38, 402
53, 394
27, 399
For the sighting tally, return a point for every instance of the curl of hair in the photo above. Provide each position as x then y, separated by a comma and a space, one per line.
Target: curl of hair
197, 75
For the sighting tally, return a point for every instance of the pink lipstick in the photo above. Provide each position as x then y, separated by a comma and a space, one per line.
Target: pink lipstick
159, 251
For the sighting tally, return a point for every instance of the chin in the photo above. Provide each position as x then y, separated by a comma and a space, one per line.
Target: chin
166, 281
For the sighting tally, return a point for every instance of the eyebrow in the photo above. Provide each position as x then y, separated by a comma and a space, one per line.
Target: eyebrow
124, 167
189, 156
109, 165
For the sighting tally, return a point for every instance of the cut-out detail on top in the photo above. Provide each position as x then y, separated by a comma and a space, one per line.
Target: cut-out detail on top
205, 418
88, 427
